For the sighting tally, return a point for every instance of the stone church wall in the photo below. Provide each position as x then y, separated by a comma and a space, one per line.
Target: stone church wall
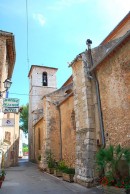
114, 82
68, 131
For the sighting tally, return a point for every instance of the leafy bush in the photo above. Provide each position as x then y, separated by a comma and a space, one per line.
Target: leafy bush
25, 149
39, 158
50, 159
2, 173
61, 165
68, 170
108, 162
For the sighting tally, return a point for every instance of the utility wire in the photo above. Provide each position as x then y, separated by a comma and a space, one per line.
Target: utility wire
24, 94
27, 33
36, 95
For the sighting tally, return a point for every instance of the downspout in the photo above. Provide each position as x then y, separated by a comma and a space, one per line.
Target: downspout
92, 75
58, 107
34, 157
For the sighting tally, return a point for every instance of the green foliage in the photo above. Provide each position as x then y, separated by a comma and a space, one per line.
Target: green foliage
108, 160
2, 173
25, 149
39, 158
24, 118
50, 159
61, 165
68, 170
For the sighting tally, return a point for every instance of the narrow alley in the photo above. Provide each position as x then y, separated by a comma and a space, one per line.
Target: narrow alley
26, 178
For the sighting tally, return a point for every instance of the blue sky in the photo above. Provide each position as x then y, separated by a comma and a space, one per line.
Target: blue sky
57, 32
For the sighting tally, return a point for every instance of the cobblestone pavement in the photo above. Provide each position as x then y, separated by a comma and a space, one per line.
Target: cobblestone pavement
26, 178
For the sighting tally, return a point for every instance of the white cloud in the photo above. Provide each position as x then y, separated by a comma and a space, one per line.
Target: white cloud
60, 4
39, 18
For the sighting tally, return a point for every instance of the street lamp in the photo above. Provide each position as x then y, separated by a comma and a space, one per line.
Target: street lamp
7, 84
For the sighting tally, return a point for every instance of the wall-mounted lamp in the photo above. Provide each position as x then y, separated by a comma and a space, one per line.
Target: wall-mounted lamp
7, 84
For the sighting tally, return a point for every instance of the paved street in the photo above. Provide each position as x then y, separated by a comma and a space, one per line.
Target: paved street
26, 178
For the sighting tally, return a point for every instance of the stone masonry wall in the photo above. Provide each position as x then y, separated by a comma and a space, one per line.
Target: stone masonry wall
114, 81
37, 91
51, 132
68, 131
54, 130
85, 125
38, 128
8, 143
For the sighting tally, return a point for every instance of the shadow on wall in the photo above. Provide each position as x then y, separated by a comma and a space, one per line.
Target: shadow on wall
10, 157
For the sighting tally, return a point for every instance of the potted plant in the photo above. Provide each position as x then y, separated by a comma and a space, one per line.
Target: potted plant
114, 169
50, 162
2, 174
68, 174
59, 168
39, 158
1, 181
40, 163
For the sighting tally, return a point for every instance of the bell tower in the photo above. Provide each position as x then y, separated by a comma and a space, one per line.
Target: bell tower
42, 82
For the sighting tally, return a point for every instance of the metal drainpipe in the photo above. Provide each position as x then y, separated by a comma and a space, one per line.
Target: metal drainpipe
60, 132
93, 76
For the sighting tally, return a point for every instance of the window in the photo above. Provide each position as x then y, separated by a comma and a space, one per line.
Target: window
44, 79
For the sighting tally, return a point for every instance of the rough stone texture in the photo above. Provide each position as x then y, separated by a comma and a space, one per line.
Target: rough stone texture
114, 84
37, 91
56, 104
58, 125
68, 131
52, 130
9, 136
11, 147
85, 125
114, 81
113, 190
38, 135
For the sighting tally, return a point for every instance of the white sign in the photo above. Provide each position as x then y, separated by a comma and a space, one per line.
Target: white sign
11, 102
8, 122
10, 110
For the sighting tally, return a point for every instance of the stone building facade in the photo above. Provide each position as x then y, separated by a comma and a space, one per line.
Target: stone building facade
9, 135
42, 81
101, 101
57, 126
113, 74
92, 108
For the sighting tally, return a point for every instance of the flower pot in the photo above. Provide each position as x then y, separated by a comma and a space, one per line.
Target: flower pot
40, 166
50, 170
3, 178
68, 177
57, 173
114, 190
1, 183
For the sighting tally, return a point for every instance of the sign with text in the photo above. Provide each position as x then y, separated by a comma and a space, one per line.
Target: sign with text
11, 102
8, 122
10, 110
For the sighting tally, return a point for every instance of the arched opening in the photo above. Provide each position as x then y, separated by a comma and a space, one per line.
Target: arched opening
44, 79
